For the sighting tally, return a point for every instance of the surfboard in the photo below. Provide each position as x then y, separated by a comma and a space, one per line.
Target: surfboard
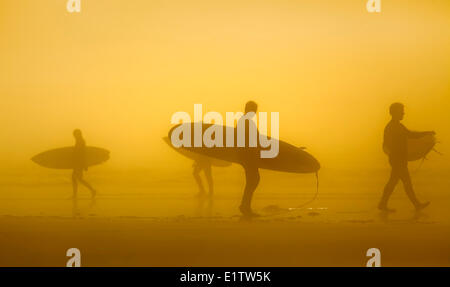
198, 157
63, 158
418, 148
289, 159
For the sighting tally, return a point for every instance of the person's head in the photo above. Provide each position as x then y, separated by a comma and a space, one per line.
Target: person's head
397, 111
251, 106
77, 134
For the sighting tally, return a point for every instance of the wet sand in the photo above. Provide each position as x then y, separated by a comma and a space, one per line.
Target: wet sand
43, 241
163, 224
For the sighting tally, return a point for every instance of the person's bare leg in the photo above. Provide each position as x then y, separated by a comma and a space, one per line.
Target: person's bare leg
85, 183
209, 179
388, 189
74, 184
251, 182
406, 179
196, 174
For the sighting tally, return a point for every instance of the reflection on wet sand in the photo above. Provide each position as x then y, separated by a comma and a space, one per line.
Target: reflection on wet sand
78, 212
418, 216
205, 206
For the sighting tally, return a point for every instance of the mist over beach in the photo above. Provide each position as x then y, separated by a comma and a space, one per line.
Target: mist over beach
119, 70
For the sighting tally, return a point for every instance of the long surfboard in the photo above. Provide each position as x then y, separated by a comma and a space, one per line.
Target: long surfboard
198, 157
63, 158
289, 159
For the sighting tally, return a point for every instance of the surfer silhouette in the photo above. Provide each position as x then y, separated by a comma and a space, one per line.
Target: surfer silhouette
204, 165
396, 137
201, 163
248, 159
79, 164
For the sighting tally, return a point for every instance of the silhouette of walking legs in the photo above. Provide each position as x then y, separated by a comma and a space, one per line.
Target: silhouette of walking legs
388, 189
208, 174
74, 184
400, 172
196, 174
407, 184
77, 176
206, 168
251, 182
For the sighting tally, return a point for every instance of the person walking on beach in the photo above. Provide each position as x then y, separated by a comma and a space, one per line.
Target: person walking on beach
396, 137
203, 164
248, 158
79, 164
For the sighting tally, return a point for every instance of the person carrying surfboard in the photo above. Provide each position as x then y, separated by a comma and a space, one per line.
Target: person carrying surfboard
396, 137
248, 160
242, 145
79, 164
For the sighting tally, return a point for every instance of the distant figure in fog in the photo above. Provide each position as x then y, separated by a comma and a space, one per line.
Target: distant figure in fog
396, 137
203, 164
79, 164
248, 159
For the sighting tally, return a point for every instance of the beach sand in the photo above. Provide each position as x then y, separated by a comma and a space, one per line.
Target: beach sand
43, 241
166, 225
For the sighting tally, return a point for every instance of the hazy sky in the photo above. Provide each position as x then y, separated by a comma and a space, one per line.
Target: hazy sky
120, 69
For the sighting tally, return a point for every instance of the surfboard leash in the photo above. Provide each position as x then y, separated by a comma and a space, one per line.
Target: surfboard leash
311, 200
315, 195
293, 209
420, 165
